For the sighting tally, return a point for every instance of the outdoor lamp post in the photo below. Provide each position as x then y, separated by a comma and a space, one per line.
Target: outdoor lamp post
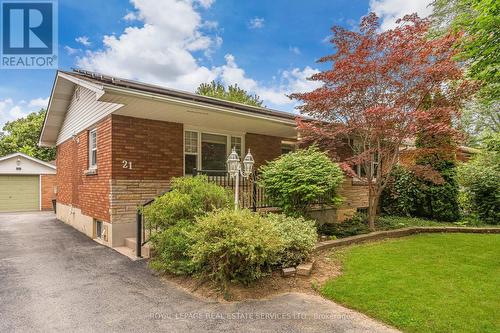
234, 170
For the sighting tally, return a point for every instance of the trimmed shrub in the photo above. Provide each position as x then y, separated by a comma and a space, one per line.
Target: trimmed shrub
402, 193
235, 246
440, 201
205, 196
408, 195
356, 225
189, 197
480, 181
298, 237
296, 180
172, 248
169, 209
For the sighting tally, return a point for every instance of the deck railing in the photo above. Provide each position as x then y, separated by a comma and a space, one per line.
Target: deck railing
251, 194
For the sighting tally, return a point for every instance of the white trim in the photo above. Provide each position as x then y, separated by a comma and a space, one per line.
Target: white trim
40, 143
36, 160
97, 88
199, 105
39, 192
90, 149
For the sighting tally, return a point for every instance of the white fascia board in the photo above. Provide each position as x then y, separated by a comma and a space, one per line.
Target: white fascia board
158, 97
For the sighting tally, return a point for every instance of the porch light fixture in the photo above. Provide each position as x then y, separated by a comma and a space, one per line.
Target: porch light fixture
235, 171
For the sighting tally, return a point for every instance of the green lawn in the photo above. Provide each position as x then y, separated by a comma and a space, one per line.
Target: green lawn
424, 283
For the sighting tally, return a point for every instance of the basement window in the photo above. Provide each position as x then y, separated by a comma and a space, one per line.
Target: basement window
98, 229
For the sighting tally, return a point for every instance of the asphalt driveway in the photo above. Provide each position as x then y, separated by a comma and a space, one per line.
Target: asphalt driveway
54, 279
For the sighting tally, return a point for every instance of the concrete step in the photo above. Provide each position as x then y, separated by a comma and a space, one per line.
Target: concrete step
126, 251
131, 242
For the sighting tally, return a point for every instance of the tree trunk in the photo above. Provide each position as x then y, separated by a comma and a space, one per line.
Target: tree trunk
373, 198
372, 213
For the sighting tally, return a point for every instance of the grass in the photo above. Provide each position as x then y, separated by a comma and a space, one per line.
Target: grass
424, 283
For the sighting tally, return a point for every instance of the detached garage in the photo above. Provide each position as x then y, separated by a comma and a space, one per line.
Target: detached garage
26, 183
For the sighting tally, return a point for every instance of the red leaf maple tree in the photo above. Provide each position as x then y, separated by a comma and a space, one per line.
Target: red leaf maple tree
384, 89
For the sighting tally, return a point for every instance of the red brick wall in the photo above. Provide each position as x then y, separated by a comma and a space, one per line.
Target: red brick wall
154, 147
264, 148
66, 179
90, 193
47, 186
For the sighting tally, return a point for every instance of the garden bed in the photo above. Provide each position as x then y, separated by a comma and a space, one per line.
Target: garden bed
324, 269
326, 266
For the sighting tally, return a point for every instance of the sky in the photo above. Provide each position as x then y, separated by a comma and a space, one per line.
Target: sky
269, 48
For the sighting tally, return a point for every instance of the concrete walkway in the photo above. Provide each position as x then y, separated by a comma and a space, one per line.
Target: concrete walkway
55, 279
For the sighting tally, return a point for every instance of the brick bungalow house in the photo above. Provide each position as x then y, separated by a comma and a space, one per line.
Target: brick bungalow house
119, 142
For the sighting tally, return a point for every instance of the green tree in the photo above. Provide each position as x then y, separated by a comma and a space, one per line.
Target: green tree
480, 52
480, 182
438, 200
232, 93
22, 135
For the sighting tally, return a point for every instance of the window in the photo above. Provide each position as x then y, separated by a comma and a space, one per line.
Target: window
93, 149
213, 152
361, 169
236, 143
209, 151
190, 152
98, 229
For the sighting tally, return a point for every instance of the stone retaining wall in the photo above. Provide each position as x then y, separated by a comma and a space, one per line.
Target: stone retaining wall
378, 235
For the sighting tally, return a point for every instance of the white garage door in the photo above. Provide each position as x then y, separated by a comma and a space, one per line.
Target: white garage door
19, 193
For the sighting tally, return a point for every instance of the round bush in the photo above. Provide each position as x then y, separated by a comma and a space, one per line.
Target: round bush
298, 237
235, 246
296, 180
189, 197
172, 247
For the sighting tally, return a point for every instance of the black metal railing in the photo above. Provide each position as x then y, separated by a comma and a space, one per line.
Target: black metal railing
251, 194
143, 230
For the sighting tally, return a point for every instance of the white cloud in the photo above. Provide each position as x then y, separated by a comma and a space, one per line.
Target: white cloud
295, 50
205, 3
161, 51
10, 110
256, 23
391, 10
130, 17
84, 40
210, 24
275, 95
39, 102
70, 50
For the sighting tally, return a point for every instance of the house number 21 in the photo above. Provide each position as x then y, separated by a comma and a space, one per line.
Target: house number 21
127, 164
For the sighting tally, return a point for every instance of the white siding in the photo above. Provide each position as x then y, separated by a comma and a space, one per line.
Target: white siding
83, 111
28, 167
